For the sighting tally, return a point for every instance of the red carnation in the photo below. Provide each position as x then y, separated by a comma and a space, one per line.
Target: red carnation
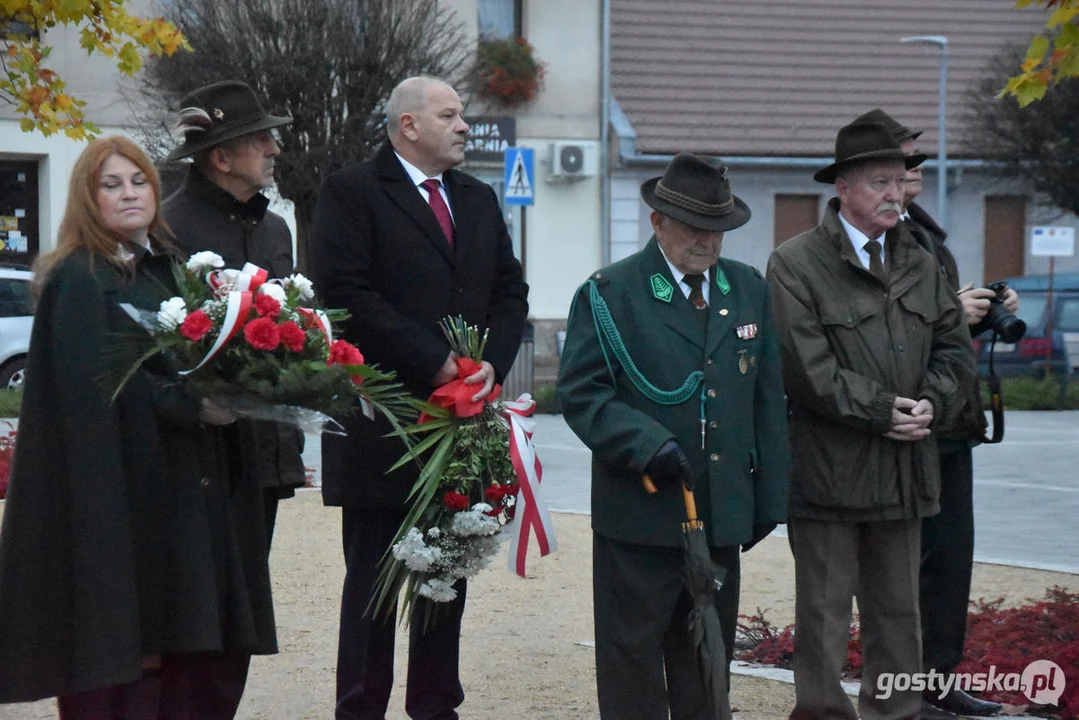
344, 353
266, 306
196, 325
455, 501
292, 336
262, 334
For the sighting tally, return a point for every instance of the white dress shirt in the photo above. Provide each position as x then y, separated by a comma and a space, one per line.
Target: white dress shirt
683, 285
417, 176
858, 239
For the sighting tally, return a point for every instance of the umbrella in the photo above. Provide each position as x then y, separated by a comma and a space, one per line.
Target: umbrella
703, 579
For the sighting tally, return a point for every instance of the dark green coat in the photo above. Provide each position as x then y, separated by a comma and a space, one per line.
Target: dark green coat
122, 536
742, 472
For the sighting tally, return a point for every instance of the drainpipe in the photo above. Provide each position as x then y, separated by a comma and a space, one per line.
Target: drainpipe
605, 134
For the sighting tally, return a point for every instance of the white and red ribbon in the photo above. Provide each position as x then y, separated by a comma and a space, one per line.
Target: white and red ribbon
247, 279
531, 511
237, 308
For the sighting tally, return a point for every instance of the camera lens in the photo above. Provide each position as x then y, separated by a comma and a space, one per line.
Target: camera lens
1007, 326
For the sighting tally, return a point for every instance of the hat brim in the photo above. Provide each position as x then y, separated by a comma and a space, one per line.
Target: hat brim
736, 218
213, 139
829, 174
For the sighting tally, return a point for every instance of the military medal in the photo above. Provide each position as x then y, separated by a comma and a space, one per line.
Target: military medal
747, 332
743, 364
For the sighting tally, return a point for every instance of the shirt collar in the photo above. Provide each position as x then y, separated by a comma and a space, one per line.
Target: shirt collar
857, 237
414, 173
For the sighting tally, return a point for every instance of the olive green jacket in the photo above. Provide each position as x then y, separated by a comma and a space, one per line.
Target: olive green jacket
851, 345
742, 470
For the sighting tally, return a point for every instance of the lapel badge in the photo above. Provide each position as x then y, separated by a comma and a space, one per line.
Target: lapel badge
747, 332
721, 281
661, 288
724, 311
219, 114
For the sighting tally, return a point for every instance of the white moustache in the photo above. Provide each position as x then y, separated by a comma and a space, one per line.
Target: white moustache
889, 206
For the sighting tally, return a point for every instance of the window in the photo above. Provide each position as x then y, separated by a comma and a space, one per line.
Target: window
15, 298
499, 18
1067, 319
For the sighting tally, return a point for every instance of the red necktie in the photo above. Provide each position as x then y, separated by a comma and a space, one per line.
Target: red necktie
438, 206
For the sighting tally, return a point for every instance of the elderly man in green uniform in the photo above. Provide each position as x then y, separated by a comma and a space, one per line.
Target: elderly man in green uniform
671, 369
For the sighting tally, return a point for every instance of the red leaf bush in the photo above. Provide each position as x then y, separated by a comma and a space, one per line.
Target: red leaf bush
1007, 639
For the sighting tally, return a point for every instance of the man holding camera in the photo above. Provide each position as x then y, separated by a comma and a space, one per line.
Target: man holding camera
948, 538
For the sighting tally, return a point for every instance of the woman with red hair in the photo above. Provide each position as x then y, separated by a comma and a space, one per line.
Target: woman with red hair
130, 565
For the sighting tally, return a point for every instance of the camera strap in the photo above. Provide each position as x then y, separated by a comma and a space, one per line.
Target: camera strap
996, 400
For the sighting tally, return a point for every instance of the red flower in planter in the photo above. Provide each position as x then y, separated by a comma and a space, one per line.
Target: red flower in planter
262, 334
292, 336
266, 306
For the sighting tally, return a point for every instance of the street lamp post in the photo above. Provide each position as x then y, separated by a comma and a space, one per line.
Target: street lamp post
942, 136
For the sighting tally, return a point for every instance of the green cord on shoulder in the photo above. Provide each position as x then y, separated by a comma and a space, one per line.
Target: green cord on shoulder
610, 338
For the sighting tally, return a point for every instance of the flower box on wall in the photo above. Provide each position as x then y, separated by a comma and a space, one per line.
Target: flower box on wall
507, 71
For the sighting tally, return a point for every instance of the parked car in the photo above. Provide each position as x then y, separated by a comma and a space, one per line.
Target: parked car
1027, 357
16, 320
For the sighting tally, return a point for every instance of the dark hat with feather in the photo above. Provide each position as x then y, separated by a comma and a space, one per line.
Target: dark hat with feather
220, 112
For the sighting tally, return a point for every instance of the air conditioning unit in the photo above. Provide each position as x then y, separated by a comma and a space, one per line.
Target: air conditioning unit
573, 160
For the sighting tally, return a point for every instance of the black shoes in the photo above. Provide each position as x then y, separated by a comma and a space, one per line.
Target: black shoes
960, 703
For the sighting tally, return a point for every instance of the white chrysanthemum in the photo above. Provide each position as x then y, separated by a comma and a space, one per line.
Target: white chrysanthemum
273, 290
200, 262
172, 313
438, 590
415, 553
298, 281
474, 522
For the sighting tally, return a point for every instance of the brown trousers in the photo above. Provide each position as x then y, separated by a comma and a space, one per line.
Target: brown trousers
877, 562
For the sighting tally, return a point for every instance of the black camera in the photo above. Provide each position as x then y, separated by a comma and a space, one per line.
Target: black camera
1006, 325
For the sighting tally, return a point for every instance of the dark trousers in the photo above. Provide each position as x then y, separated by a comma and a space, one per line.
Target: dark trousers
198, 686
366, 642
947, 563
646, 668
834, 562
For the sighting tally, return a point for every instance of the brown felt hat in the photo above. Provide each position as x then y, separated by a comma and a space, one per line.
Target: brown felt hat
864, 142
899, 131
220, 112
697, 193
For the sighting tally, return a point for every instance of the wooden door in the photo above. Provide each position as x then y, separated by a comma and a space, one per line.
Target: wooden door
1005, 236
795, 214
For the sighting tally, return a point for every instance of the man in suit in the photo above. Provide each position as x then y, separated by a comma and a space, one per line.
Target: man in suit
875, 352
402, 241
948, 537
681, 312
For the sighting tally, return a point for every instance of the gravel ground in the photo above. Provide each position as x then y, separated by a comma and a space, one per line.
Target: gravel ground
521, 651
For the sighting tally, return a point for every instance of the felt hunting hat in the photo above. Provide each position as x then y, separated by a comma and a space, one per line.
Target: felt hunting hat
899, 131
220, 112
865, 142
696, 193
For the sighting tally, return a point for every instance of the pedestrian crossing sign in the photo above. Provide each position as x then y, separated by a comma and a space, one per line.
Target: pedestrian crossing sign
520, 176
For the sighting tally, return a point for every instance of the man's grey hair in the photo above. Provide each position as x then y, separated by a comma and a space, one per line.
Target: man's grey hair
409, 96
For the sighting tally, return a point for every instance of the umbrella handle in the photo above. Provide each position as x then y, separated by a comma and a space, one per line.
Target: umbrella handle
687, 495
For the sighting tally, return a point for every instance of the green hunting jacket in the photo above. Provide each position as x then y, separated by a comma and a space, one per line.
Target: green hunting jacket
742, 470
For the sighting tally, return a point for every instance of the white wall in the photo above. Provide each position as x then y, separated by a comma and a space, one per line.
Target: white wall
752, 243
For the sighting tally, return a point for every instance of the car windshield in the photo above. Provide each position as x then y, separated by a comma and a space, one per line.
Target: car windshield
1032, 310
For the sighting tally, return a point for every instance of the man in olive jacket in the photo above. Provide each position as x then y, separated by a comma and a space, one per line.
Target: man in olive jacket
948, 537
875, 351
679, 310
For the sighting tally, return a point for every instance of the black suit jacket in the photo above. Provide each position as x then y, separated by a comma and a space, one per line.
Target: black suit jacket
379, 252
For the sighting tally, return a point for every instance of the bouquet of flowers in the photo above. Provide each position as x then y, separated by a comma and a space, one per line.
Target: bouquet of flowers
479, 472
249, 343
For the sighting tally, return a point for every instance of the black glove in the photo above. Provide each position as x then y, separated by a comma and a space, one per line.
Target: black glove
669, 466
759, 533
